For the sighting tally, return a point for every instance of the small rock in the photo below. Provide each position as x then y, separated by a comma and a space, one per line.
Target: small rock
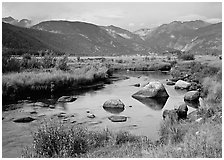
95, 123
41, 115
198, 120
197, 132
24, 120
88, 111
180, 84
129, 106
52, 106
62, 114
73, 121
91, 115
40, 104
137, 85
170, 83
117, 118
33, 112
3, 118
65, 99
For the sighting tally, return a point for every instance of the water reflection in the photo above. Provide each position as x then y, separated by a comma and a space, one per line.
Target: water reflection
153, 103
193, 104
114, 110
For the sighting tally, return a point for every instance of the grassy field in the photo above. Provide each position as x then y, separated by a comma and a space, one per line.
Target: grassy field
28, 84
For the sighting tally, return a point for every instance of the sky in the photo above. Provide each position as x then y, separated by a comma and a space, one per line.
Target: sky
128, 15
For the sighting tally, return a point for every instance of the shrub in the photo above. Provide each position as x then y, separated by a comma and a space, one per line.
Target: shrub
53, 139
124, 137
62, 64
212, 90
171, 132
10, 64
186, 56
48, 61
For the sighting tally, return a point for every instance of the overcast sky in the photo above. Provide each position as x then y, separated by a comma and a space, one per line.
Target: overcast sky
128, 15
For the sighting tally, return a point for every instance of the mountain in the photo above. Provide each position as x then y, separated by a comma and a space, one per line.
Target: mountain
126, 38
185, 36
75, 38
22, 23
206, 40
79, 38
142, 33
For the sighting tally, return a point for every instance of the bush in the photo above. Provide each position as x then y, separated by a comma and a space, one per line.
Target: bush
212, 90
124, 137
48, 61
54, 139
172, 133
62, 64
10, 64
186, 56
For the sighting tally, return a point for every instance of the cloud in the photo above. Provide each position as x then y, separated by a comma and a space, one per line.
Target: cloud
131, 24
213, 20
191, 17
141, 24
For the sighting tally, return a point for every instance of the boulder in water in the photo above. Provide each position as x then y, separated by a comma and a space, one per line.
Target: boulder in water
152, 90
182, 111
180, 84
192, 96
113, 103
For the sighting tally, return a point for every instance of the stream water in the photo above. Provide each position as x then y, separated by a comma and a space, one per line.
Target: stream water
144, 118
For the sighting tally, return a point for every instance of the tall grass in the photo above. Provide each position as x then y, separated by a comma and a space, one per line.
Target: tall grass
20, 85
200, 141
54, 139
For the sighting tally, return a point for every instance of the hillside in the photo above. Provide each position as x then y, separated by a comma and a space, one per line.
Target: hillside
198, 37
20, 38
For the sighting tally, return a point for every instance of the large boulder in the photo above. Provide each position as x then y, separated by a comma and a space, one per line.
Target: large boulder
192, 96
113, 103
65, 99
152, 90
180, 84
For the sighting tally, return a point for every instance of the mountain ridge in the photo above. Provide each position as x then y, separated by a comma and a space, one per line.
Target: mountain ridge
89, 39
